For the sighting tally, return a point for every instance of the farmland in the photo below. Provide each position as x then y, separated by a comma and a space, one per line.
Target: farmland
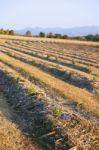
51, 89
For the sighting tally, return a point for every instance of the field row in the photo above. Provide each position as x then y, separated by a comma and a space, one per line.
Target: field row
54, 88
67, 80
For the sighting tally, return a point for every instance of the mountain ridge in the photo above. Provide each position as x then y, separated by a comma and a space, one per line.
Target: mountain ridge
74, 31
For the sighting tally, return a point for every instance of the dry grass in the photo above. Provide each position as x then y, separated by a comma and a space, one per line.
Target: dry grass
93, 70
66, 104
8, 50
71, 92
12, 138
49, 40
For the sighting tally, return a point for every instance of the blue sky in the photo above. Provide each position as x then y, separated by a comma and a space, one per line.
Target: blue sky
18, 14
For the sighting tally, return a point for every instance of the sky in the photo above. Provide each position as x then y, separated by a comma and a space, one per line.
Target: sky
18, 14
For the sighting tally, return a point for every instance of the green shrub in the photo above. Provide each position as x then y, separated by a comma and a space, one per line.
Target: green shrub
57, 110
31, 90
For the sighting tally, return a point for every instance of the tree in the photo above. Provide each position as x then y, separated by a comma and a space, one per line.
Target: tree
41, 34
96, 38
11, 32
2, 31
92, 37
65, 36
28, 33
89, 37
58, 36
50, 35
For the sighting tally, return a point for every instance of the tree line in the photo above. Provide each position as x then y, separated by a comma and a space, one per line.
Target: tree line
60, 36
51, 35
7, 32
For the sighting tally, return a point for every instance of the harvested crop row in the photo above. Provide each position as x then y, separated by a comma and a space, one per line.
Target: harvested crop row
48, 55
89, 76
64, 64
47, 50
62, 49
71, 92
75, 129
65, 75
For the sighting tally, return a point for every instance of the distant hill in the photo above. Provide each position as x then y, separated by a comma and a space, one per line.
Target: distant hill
80, 31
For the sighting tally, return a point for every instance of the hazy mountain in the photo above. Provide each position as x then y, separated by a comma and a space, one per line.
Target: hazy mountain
69, 31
